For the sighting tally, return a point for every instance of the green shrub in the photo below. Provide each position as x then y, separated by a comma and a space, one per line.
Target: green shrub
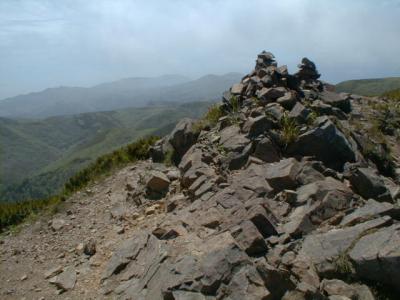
138, 150
14, 213
213, 114
235, 105
290, 130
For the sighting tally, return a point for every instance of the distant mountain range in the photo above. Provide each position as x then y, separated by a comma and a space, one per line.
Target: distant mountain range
37, 156
369, 87
130, 92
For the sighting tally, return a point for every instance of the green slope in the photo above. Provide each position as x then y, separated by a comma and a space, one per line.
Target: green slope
38, 156
369, 87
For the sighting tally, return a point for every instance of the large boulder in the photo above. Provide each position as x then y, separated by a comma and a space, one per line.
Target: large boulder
324, 248
232, 140
376, 256
183, 136
158, 182
282, 175
341, 101
325, 143
266, 150
367, 183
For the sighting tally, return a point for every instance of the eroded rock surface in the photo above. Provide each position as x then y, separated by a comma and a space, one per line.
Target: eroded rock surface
274, 201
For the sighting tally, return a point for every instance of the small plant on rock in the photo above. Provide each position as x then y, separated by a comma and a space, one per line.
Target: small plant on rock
343, 265
290, 130
235, 105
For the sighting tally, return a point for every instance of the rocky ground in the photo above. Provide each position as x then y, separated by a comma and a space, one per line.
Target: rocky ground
287, 195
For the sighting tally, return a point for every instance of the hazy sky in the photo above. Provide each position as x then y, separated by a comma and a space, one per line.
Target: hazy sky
47, 43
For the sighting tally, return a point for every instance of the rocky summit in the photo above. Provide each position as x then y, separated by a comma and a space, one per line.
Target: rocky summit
280, 192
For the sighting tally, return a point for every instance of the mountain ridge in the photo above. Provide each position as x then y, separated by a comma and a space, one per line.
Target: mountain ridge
131, 92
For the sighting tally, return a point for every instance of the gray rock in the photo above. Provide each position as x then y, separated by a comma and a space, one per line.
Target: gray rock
128, 250
237, 89
341, 101
90, 247
57, 224
376, 256
371, 209
246, 284
267, 95
367, 183
158, 182
266, 151
66, 280
339, 288
233, 140
299, 113
325, 143
282, 175
288, 100
256, 126
249, 238
183, 136
53, 272
325, 247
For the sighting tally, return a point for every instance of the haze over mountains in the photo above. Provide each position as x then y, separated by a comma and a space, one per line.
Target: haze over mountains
130, 92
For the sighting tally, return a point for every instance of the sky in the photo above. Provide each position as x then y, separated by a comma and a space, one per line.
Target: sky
47, 43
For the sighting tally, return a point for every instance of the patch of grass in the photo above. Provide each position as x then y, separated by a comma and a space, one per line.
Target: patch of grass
235, 104
213, 114
14, 213
210, 118
169, 158
138, 150
343, 265
289, 130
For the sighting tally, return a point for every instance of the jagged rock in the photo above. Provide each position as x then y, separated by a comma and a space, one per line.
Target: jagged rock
274, 110
288, 100
237, 89
159, 149
57, 224
126, 252
282, 175
246, 284
235, 161
90, 247
341, 101
325, 247
250, 183
276, 280
326, 143
267, 95
249, 238
66, 280
183, 136
232, 140
371, 209
376, 256
299, 113
305, 271
308, 70
264, 60
158, 182
367, 183
256, 126
165, 234
53, 272
266, 150
336, 287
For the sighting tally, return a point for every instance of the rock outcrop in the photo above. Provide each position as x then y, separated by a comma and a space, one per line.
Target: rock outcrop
276, 200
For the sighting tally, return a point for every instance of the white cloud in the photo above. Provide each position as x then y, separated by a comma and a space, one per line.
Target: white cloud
80, 42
